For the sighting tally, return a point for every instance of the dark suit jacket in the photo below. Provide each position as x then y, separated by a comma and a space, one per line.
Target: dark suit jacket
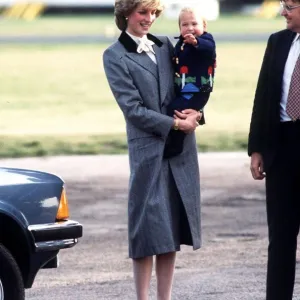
265, 121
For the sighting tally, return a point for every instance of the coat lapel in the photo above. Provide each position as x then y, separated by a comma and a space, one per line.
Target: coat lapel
142, 59
163, 64
284, 49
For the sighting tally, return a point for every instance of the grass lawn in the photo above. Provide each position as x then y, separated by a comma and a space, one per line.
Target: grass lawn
55, 99
104, 24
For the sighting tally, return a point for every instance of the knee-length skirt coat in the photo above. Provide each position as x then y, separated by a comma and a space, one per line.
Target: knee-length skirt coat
164, 194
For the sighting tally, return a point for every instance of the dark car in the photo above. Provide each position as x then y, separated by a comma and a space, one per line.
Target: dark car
34, 226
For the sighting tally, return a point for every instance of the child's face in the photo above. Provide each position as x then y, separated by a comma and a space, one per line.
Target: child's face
189, 23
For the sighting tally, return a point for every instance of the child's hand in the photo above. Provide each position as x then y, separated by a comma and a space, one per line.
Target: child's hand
190, 39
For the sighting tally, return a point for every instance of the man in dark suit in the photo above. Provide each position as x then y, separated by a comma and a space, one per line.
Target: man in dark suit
274, 147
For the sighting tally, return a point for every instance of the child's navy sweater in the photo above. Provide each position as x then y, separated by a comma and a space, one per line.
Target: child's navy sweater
194, 73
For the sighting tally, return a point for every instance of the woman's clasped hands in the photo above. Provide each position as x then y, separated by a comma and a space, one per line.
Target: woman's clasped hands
188, 119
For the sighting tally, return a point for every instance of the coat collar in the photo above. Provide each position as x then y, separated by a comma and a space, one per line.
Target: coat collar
290, 36
131, 46
297, 37
160, 70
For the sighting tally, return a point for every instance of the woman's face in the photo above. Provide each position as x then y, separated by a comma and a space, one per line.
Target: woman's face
140, 21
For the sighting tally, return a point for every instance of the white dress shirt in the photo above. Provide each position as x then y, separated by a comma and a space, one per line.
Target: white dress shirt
138, 41
287, 76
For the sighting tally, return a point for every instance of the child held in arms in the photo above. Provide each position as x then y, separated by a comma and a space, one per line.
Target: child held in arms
194, 64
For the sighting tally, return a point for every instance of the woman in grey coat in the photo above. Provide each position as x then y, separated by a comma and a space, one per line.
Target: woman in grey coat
164, 194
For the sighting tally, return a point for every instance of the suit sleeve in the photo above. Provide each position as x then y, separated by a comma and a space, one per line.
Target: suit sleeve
129, 98
256, 138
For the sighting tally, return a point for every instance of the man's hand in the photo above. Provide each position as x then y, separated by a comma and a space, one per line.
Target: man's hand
257, 166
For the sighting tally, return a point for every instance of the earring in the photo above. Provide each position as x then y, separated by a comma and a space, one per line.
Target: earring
126, 18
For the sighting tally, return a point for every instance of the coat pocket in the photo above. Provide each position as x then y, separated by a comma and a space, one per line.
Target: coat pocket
146, 149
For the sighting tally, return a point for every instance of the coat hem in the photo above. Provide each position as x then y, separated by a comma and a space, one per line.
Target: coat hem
161, 250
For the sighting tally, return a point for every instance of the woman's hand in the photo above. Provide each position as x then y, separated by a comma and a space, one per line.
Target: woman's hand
187, 122
186, 112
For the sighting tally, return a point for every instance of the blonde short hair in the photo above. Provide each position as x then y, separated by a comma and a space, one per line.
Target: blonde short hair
191, 10
124, 8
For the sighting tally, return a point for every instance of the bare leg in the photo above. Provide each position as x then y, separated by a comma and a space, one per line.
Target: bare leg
165, 264
142, 270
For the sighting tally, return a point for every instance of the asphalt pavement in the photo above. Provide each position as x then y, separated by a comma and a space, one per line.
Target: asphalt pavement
231, 265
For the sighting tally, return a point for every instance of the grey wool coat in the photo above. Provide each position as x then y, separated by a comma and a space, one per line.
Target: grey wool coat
164, 194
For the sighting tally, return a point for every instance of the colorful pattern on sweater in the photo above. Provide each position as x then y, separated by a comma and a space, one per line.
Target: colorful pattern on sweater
194, 72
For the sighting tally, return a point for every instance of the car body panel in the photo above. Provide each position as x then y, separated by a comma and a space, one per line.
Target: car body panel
25, 189
29, 201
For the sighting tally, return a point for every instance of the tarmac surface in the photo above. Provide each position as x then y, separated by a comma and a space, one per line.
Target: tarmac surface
230, 265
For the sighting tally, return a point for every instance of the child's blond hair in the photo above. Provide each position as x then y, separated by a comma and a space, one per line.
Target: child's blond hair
195, 12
